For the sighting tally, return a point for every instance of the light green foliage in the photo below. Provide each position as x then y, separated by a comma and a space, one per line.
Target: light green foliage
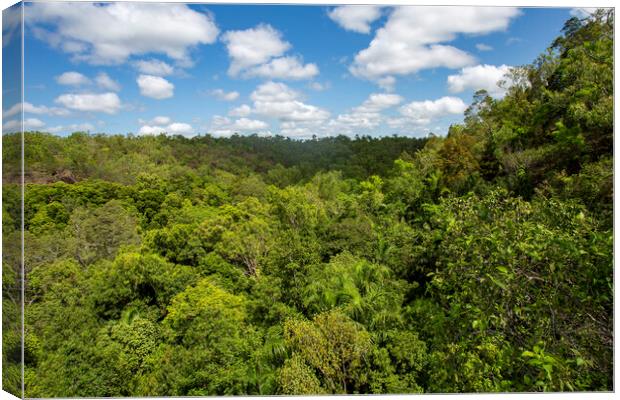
208, 345
124, 345
240, 234
297, 378
334, 345
511, 270
52, 216
199, 310
366, 292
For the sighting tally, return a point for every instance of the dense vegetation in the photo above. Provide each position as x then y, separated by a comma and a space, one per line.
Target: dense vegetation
477, 262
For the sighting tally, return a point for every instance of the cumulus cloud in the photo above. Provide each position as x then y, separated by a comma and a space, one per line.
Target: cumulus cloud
29, 108
423, 112
155, 87
483, 47
224, 126
387, 83
256, 52
379, 101
104, 81
163, 124
303, 130
284, 68
72, 78
277, 100
161, 120
253, 47
479, 77
153, 67
242, 111
105, 34
15, 125
108, 103
367, 115
84, 127
355, 18
414, 39
220, 94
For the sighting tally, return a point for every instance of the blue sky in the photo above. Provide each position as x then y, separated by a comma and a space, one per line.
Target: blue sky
293, 70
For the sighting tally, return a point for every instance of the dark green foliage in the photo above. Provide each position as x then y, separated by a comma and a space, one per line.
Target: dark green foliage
478, 262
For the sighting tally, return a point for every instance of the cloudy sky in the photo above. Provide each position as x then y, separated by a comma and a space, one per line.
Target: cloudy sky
147, 68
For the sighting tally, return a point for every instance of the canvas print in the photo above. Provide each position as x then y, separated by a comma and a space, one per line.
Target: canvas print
221, 199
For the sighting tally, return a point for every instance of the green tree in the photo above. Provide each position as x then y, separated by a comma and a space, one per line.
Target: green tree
333, 345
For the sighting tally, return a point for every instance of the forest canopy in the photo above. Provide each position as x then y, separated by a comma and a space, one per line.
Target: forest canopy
481, 261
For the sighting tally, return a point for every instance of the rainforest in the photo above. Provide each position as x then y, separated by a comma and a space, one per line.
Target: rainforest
477, 261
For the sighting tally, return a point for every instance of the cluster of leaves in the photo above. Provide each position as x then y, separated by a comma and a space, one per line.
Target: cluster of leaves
482, 262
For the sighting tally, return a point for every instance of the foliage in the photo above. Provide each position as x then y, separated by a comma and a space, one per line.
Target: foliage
477, 262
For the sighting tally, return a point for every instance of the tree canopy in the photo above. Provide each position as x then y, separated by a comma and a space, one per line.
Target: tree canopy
477, 262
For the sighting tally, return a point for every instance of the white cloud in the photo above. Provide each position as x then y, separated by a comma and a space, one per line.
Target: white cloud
257, 52
276, 100
225, 96
387, 83
72, 78
153, 67
483, 47
355, 18
242, 111
423, 112
151, 130
104, 81
13, 110
318, 86
155, 87
33, 123
161, 120
32, 109
479, 77
379, 101
582, 12
246, 124
414, 37
111, 33
223, 126
108, 103
253, 46
15, 125
180, 128
166, 126
85, 127
367, 115
284, 68
300, 129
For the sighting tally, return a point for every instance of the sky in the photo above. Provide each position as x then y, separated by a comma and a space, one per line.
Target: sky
297, 71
